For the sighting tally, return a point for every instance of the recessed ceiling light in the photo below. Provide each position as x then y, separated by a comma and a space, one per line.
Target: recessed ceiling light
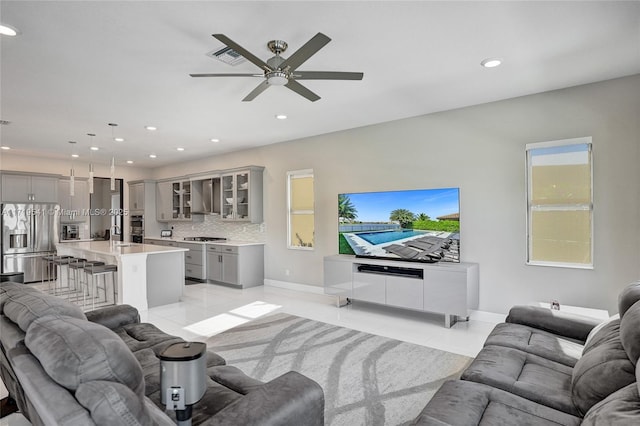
281, 117
214, 140
5, 147
118, 139
94, 148
129, 161
75, 155
152, 156
180, 149
8, 30
151, 128
491, 62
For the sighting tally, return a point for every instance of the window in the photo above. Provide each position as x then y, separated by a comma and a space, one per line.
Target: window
300, 232
560, 203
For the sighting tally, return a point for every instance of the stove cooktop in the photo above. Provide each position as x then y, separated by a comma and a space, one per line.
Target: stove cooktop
205, 239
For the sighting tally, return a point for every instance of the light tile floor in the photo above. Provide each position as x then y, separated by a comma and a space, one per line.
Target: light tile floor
208, 309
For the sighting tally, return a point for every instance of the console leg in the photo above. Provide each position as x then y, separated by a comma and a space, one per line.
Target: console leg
450, 320
340, 302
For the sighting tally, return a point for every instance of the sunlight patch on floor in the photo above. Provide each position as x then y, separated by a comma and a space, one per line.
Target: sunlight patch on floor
225, 321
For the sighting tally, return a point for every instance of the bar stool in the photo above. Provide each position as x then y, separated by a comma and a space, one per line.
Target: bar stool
95, 271
77, 267
52, 262
74, 261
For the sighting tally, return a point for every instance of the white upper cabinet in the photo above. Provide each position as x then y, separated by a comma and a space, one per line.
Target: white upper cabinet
73, 208
136, 197
23, 188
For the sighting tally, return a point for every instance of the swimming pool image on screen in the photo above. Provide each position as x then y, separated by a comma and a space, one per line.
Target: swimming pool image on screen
417, 225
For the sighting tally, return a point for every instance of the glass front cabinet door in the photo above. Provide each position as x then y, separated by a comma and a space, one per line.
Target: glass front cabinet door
242, 195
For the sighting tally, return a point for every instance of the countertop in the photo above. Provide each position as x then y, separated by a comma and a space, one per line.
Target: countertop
120, 249
224, 243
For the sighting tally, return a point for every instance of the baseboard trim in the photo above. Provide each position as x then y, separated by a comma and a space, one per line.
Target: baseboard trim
487, 316
294, 286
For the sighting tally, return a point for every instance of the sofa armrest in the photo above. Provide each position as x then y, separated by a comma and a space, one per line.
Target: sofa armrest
291, 399
114, 317
557, 322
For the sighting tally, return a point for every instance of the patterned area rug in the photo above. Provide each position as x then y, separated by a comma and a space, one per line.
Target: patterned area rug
367, 379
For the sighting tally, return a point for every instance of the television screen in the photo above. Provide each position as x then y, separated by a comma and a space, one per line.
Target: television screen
415, 225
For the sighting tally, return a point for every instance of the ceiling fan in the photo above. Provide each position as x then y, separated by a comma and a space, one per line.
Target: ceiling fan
279, 71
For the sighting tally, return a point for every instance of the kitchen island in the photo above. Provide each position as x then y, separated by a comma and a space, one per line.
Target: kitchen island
148, 275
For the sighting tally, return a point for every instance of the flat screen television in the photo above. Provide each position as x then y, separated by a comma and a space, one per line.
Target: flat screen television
420, 225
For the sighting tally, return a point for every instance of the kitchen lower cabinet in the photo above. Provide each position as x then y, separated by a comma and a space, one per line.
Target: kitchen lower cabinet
194, 261
236, 265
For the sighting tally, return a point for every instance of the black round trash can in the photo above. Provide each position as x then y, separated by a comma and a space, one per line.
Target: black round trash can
16, 277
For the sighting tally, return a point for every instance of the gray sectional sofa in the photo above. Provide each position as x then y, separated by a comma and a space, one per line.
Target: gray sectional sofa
66, 368
544, 367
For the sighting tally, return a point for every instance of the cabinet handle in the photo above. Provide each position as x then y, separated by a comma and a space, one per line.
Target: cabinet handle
228, 249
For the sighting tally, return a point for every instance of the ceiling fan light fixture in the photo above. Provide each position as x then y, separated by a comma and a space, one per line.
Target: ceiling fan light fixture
118, 139
129, 161
281, 116
151, 128
152, 156
491, 62
214, 140
6, 148
277, 78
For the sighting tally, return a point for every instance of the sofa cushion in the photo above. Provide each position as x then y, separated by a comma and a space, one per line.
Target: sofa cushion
597, 328
628, 297
630, 332
113, 404
73, 351
146, 336
8, 287
620, 408
26, 306
603, 369
466, 403
529, 376
537, 342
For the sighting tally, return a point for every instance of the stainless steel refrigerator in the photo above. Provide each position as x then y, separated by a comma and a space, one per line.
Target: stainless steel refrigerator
29, 232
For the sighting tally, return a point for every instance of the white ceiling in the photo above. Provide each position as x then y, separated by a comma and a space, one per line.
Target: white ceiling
78, 65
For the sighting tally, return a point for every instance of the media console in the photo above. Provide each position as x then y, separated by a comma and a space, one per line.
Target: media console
446, 288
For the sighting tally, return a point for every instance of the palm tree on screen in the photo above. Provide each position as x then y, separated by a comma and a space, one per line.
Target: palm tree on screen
403, 216
346, 209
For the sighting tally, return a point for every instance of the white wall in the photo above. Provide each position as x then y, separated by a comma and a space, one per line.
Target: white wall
481, 150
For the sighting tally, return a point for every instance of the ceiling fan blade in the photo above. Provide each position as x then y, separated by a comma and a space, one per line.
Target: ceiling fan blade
255, 92
226, 75
301, 90
327, 75
316, 43
244, 52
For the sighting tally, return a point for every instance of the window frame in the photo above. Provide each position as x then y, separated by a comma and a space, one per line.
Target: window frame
587, 140
296, 174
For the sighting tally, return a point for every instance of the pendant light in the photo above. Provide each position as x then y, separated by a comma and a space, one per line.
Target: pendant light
72, 173
91, 164
113, 173
113, 159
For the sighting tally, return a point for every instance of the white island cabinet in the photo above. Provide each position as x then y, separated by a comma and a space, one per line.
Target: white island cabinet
148, 275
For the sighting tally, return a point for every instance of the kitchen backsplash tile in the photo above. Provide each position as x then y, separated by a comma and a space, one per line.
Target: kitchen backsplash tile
214, 226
